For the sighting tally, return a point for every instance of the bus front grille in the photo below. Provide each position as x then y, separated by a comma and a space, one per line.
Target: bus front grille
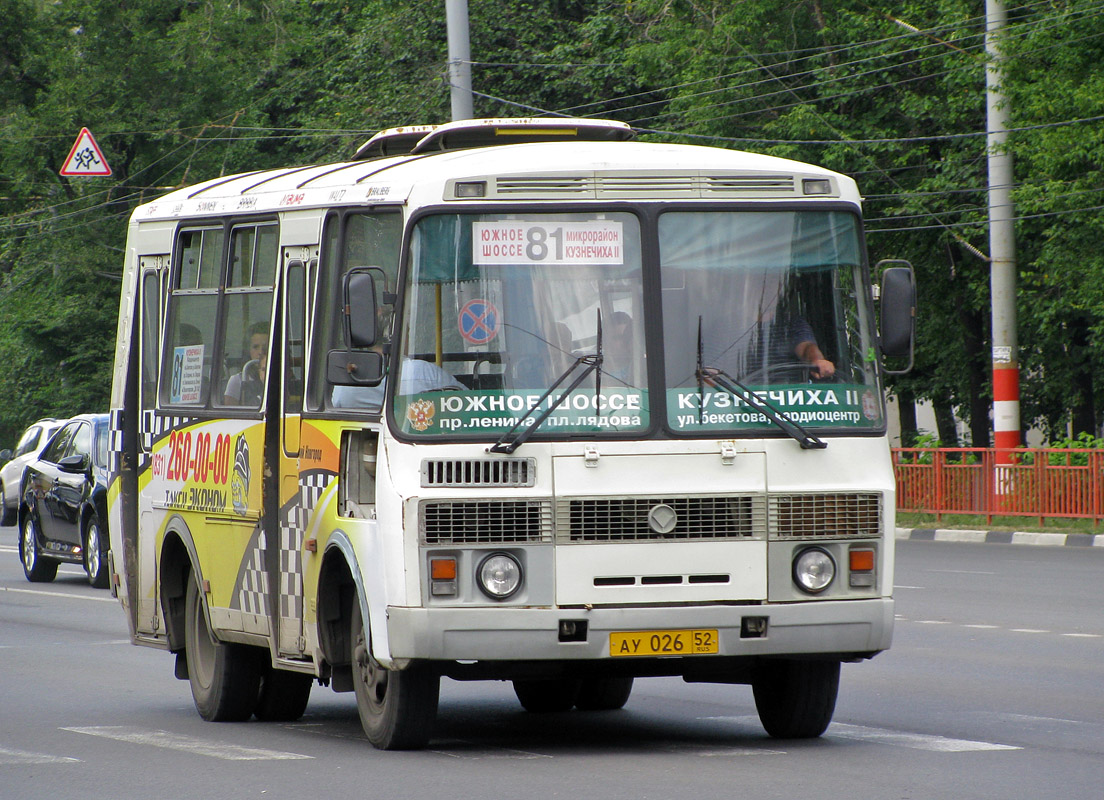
485, 521
805, 516
621, 519
579, 520
476, 472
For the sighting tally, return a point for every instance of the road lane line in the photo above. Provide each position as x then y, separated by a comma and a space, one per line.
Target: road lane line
16, 757
107, 599
463, 749
915, 741
187, 744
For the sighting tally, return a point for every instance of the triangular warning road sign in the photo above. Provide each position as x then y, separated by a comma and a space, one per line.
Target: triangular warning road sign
85, 158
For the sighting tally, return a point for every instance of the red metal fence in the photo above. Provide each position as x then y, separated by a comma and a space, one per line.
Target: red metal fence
1038, 482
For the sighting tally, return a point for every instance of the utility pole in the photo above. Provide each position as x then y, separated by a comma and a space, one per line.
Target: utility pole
1002, 244
459, 53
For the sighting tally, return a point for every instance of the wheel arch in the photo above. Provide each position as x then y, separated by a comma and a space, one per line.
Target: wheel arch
177, 562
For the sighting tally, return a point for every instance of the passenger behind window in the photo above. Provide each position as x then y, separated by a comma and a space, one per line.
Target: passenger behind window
417, 376
244, 388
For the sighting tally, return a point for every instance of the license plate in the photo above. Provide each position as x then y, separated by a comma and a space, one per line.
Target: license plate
663, 643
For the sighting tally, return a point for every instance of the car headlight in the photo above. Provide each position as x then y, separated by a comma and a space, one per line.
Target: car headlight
813, 570
499, 575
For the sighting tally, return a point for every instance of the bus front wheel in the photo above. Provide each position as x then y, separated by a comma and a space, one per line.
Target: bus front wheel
225, 677
796, 698
397, 708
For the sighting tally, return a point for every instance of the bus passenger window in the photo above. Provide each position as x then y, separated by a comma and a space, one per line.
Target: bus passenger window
357, 486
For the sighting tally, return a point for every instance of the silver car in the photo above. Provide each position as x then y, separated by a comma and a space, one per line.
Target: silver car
11, 473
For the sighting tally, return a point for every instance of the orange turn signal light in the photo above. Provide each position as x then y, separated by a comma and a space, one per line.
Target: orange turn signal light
442, 569
862, 560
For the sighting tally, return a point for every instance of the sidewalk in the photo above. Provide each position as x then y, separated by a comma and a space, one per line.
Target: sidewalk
1001, 537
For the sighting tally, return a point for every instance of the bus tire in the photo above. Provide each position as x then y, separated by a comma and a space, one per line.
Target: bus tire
796, 698
397, 708
547, 696
37, 567
283, 696
225, 677
95, 562
604, 694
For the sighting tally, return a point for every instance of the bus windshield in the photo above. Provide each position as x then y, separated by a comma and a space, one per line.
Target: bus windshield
499, 307
772, 300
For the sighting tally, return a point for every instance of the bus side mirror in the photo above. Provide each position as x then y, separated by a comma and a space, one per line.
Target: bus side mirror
898, 313
361, 330
354, 367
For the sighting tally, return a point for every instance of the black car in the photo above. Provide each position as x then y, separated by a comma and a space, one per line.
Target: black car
63, 503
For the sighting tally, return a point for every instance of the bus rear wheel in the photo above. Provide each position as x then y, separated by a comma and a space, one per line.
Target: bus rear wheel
397, 708
225, 678
284, 695
796, 698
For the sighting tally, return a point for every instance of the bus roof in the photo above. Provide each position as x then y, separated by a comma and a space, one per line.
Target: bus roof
531, 171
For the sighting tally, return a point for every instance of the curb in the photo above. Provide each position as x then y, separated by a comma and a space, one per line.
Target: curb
1000, 537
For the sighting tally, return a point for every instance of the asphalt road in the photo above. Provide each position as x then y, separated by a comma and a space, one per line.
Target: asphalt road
994, 688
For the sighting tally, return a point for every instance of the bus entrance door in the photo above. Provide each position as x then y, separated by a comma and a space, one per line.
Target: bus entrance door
298, 265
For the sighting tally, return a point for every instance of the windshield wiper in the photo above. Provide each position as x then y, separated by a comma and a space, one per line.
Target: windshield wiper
591, 362
719, 377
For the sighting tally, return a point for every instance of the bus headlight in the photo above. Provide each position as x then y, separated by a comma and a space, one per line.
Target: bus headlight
813, 570
499, 575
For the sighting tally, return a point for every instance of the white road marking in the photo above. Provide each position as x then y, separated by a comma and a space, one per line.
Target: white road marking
187, 744
1033, 718
985, 627
16, 757
916, 741
474, 752
726, 752
107, 599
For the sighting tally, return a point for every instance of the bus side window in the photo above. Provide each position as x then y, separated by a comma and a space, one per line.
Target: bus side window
357, 485
246, 311
151, 332
193, 306
356, 240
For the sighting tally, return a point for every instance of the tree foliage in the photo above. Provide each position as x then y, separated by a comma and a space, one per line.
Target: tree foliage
893, 94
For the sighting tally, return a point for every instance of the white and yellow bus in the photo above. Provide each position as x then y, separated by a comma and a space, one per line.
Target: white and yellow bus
517, 400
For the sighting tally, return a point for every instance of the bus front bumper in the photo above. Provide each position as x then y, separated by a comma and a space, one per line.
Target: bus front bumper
849, 628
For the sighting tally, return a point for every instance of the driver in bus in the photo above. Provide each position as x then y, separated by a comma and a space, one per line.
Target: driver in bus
417, 376
755, 339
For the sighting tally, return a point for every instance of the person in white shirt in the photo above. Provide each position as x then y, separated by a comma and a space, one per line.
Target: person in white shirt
417, 376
